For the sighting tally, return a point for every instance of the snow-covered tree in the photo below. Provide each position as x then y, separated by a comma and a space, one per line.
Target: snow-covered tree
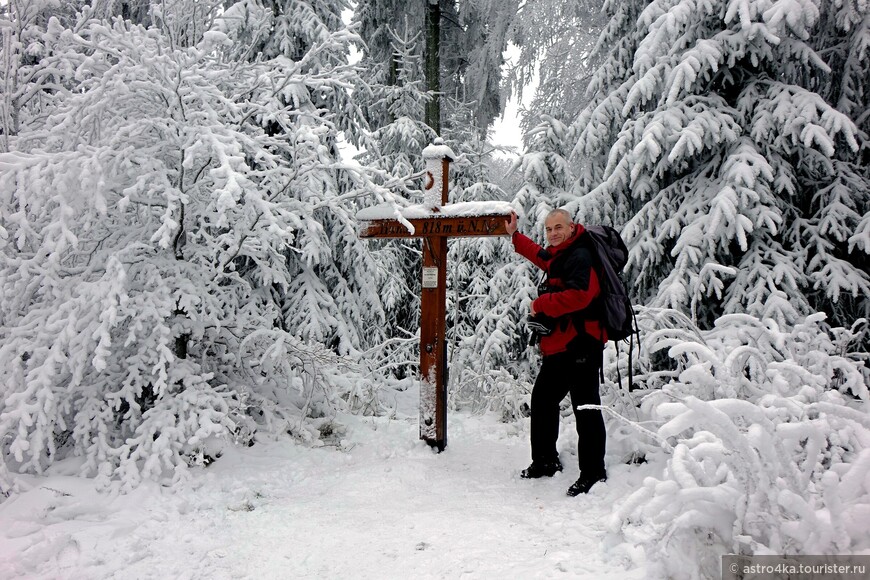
474, 58
764, 430
153, 224
380, 24
730, 149
555, 39
396, 142
730, 141
327, 302
473, 36
28, 79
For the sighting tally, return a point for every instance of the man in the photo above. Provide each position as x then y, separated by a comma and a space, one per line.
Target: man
572, 351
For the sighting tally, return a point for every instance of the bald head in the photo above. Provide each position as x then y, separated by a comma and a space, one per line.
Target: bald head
560, 212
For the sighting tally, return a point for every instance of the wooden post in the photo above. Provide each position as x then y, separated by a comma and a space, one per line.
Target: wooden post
433, 304
433, 389
434, 230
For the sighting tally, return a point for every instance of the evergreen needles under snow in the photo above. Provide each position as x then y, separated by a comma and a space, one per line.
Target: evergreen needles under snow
720, 137
168, 273
765, 430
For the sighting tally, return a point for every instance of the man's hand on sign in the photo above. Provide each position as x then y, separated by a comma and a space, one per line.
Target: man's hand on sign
511, 226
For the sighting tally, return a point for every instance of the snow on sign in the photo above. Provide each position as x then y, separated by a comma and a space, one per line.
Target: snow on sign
434, 222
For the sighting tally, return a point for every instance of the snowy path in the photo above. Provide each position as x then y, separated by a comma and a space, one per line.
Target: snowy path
385, 507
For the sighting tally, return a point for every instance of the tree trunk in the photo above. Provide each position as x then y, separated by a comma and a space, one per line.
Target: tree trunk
433, 64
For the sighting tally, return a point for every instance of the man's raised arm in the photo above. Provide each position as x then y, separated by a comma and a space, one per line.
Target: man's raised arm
523, 245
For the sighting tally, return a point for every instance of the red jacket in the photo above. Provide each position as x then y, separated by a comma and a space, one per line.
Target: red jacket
573, 285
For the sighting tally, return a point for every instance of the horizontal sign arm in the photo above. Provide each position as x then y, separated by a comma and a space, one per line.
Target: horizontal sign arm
437, 226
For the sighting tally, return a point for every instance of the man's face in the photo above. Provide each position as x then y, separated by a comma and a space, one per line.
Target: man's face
558, 229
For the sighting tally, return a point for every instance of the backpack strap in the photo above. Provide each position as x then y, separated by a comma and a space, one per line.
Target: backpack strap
619, 374
630, 353
630, 346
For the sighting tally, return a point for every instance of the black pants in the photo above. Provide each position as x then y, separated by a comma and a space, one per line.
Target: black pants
577, 374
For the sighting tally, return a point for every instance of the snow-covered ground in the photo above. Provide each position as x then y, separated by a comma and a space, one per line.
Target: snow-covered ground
375, 502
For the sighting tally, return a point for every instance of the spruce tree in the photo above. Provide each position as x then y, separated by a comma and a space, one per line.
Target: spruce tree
725, 138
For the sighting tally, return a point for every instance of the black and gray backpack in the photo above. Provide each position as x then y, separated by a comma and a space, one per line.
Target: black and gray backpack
609, 251
615, 314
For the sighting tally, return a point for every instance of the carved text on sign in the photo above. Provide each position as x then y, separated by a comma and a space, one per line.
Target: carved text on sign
436, 227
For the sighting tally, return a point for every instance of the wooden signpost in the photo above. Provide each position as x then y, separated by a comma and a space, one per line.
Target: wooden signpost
440, 223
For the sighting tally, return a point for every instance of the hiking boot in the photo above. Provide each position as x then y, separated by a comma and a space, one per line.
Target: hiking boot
585, 483
541, 469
